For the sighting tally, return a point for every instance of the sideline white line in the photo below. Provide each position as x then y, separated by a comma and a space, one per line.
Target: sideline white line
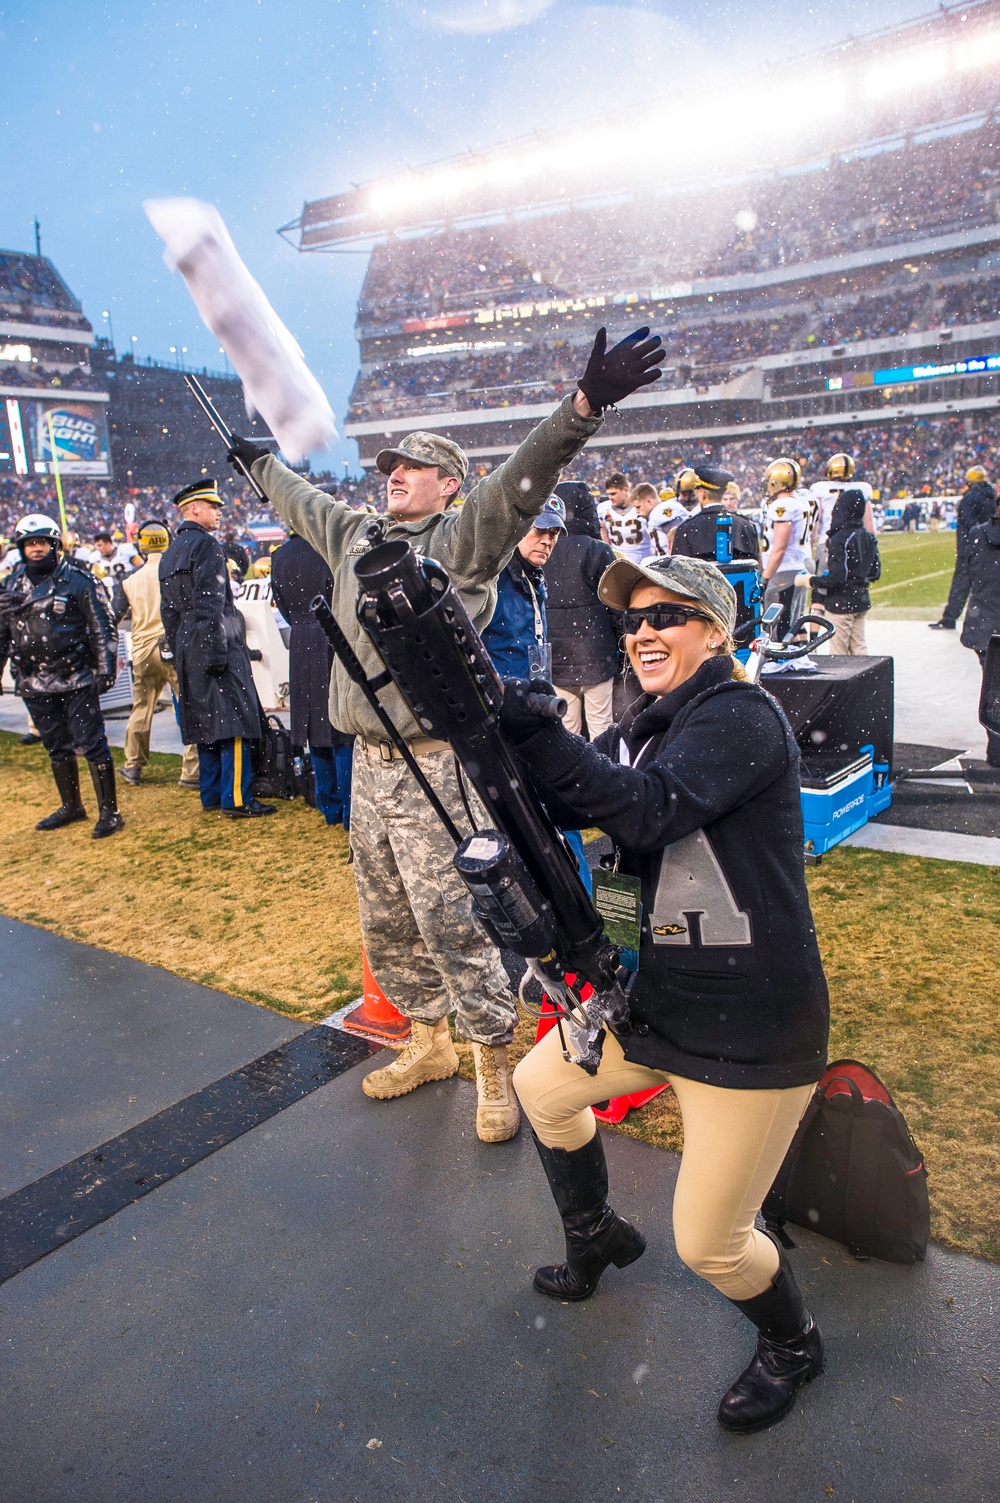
939, 845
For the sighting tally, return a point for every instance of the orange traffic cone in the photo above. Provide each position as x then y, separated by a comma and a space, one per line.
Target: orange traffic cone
375, 1015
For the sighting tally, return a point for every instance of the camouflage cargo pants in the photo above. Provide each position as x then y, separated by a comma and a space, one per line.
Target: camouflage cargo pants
425, 949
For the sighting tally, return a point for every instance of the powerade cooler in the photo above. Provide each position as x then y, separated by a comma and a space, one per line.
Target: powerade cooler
839, 792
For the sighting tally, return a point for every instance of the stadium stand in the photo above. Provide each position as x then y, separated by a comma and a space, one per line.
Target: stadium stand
849, 287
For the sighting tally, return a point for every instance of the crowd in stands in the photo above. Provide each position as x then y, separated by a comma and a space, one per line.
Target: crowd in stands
971, 303
94, 506
32, 280
408, 276
21, 373
919, 457
699, 353
922, 188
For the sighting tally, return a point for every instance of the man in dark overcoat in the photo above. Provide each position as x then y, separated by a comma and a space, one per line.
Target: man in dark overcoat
982, 618
582, 631
219, 709
975, 509
298, 575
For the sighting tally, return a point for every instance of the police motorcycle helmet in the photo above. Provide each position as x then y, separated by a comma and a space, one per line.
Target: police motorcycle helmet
782, 475
37, 528
840, 467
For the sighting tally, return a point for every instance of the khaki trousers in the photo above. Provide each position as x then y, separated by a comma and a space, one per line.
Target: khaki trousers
849, 635
734, 1145
596, 699
149, 674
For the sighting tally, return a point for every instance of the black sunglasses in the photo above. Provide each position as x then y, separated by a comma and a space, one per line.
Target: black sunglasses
661, 616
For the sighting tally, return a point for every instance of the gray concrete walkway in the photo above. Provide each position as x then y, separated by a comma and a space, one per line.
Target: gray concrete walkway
338, 1305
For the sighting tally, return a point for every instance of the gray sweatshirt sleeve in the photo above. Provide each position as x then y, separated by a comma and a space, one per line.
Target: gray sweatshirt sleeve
499, 510
327, 525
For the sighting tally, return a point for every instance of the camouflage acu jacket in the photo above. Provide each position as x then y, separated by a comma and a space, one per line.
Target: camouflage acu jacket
473, 542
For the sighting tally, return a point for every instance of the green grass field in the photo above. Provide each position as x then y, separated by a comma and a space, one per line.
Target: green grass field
916, 575
268, 911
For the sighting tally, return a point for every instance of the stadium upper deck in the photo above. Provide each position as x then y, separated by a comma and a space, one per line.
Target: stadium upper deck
45, 344
845, 271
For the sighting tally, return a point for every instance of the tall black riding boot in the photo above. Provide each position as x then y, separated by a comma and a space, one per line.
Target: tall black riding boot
789, 1354
109, 820
67, 776
595, 1236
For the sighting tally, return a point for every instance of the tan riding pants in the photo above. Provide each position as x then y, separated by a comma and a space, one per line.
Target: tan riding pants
734, 1144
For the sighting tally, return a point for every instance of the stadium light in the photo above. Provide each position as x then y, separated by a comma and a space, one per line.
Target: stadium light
658, 149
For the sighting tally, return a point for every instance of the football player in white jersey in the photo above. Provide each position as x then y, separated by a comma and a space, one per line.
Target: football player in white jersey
622, 524
662, 512
839, 475
787, 525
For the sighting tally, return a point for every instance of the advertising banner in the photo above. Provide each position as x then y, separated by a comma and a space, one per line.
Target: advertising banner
79, 432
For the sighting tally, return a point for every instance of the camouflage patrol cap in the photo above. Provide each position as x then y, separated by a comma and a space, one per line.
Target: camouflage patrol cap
692, 578
425, 449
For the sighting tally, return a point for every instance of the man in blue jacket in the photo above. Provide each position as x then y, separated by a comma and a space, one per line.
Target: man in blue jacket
517, 636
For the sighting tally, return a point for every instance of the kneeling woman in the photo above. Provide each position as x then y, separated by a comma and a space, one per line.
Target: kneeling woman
698, 788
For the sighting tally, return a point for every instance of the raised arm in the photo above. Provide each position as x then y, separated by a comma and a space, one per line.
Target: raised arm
501, 508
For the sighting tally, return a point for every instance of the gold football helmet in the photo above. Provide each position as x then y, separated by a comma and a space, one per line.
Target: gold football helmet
782, 475
976, 473
685, 481
840, 467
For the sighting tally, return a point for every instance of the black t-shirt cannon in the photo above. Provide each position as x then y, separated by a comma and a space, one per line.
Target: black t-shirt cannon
521, 873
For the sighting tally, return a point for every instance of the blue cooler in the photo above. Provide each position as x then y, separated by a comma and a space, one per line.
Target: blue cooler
744, 576
836, 796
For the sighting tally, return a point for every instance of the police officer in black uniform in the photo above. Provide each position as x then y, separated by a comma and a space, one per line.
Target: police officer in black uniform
219, 709
695, 538
57, 628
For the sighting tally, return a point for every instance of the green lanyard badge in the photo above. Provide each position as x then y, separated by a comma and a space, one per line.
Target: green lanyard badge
618, 900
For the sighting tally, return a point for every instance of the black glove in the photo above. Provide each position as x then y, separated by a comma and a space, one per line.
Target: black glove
618, 372
255, 655
518, 720
105, 681
242, 451
215, 670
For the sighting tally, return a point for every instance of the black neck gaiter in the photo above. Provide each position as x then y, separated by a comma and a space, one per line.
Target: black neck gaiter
41, 568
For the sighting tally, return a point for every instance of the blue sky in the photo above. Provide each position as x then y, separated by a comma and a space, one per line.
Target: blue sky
256, 105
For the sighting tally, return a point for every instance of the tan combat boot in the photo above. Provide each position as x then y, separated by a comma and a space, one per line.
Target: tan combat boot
430, 1055
497, 1116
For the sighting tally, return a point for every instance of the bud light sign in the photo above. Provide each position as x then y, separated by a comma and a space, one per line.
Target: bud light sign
77, 433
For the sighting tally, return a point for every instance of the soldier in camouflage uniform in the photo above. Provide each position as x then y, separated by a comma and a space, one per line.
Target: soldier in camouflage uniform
423, 945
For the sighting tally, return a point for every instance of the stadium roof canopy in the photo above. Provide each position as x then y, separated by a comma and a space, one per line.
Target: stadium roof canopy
831, 102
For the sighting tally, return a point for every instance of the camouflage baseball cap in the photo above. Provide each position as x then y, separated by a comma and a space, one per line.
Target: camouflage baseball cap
425, 449
693, 578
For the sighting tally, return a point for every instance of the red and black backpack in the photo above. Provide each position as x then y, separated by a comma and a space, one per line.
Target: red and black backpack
853, 1173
